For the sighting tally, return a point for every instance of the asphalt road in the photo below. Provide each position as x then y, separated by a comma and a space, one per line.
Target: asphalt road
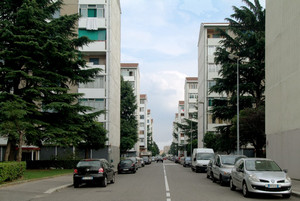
156, 182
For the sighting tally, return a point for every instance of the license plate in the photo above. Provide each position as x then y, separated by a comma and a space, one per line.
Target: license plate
125, 169
87, 178
273, 186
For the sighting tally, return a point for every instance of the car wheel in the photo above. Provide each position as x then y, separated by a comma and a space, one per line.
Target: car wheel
221, 181
245, 190
112, 181
207, 175
104, 182
76, 184
286, 195
232, 186
213, 178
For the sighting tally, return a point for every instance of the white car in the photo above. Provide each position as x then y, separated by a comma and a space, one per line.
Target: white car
260, 175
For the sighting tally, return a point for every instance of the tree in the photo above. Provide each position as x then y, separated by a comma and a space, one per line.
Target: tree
129, 123
245, 38
154, 149
173, 149
40, 63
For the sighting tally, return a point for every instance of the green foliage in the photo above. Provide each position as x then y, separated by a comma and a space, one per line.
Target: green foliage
10, 171
189, 129
129, 123
173, 149
154, 149
245, 38
40, 62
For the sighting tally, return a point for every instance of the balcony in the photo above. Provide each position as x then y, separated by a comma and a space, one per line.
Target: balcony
91, 65
94, 47
96, 23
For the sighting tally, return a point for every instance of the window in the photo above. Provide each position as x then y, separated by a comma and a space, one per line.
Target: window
93, 34
142, 116
142, 124
92, 10
192, 106
210, 101
141, 132
99, 82
213, 68
130, 73
141, 139
193, 96
141, 109
193, 86
211, 83
97, 104
95, 61
142, 101
181, 135
211, 50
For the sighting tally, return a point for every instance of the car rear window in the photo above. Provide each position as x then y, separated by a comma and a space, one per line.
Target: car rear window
88, 164
126, 162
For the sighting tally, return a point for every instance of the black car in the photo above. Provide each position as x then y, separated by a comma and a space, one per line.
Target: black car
159, 159
126, 165
147, 160
93, 171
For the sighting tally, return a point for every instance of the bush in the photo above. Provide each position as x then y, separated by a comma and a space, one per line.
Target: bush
10, 171
47, 164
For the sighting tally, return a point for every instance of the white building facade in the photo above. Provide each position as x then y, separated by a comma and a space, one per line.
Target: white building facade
131, 73
143, 123
282, 84
209, 39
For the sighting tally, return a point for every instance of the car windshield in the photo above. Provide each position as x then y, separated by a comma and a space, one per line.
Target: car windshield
229, 160
88, 164
188, 158
262, 165
204, 156
126, 161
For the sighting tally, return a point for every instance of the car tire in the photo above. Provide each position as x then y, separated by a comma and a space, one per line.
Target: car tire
213, 178
245, 191
207, 176
286, 195
112, 181
76, 185
104, 182
232, 186
222, 183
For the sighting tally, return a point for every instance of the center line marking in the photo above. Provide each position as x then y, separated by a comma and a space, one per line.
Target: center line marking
168, 195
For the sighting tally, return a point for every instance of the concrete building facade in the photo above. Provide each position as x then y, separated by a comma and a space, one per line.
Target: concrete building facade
282, 84
209, 39
143, 123
131, 73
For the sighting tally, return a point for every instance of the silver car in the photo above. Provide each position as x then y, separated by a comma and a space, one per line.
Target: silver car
260, 175
222, 166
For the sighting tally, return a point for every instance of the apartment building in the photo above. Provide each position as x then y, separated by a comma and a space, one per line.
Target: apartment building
282, 84
190, 97
131, 73
209, 39
181, 139
143, 123
100, 21
149, 127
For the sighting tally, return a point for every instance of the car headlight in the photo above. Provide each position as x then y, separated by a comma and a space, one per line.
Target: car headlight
287, 179
226, 173
253, 177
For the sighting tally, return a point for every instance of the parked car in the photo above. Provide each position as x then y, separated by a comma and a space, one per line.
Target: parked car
222, 166
177, 159
93, 171
209, 169
187, 162
159, 159
260, 175
140, 162
181, 160
126, 165
146, 160
200, 159
136, 161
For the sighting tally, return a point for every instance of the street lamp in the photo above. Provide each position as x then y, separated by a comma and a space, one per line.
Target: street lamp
237, 58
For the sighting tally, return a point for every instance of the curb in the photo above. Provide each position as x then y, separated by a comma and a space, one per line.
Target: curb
51, 190
296, 194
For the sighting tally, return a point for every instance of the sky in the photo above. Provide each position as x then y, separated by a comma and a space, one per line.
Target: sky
162, 36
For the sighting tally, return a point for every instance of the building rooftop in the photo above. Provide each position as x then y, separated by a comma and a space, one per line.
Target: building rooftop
129, 65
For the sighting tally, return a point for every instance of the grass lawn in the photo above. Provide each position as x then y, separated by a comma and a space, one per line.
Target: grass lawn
36, 174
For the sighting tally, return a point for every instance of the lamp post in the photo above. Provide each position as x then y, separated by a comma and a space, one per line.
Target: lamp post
237, 58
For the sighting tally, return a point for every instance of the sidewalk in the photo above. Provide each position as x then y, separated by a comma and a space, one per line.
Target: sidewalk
296, 188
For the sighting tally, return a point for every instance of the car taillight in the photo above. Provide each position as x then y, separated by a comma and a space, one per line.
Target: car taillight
75, 171
132, 164
101, 170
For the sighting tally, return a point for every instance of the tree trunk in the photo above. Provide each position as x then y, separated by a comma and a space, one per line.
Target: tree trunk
7, 151
19, 156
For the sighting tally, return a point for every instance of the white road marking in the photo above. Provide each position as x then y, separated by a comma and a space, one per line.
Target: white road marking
168, 194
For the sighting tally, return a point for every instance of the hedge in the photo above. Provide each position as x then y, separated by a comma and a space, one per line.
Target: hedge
47, 164
10, 171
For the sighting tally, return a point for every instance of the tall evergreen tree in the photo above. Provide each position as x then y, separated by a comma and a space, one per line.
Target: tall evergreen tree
244, 38
40, 62
129, 123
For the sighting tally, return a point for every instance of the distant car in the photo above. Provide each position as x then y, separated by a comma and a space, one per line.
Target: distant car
126, 166
260, 175
209, 169
159, 159
187, 162
93, 171
177, 159
147, 160
222, 166
181, 160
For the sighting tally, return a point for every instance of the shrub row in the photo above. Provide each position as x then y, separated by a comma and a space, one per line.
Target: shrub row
11, 170
47, 164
